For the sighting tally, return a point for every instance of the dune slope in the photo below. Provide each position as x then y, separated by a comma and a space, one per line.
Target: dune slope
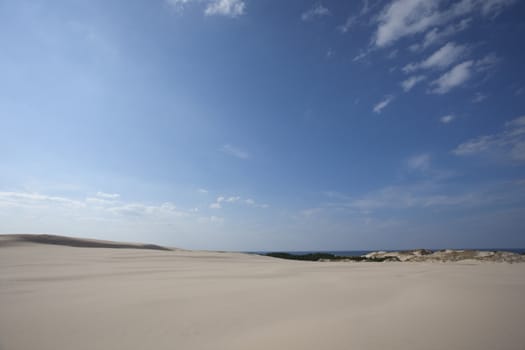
59, 297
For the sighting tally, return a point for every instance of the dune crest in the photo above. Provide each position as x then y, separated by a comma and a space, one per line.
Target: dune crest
15, 239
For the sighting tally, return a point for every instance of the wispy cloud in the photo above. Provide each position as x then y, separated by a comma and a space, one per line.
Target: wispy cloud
141, 210
349, 24
422, 195
108, 195
356, 18
235, 152
453, 78
104, 207
447, 118
361, 55
315, 12
479, 97
378, 108
442, 58
436, 35
222, 200
493, 8
28, 199
507, 144
402, 18
215, 205
229, 8
488, 62
462, 72
404, 197
420, 162
178, 5
409, 83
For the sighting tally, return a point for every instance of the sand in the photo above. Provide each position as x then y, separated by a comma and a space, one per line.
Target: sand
58, 297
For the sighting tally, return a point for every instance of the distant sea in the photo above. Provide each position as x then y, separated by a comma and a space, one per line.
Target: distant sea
363, 252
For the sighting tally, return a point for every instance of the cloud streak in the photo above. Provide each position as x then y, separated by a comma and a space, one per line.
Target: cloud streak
409, 83
229, 8
457, 76
108, 195
226, 8
378, 108
404, 18
222, 200
436, 35
315, 12
235, 152
442, 58
507, 144
446, 119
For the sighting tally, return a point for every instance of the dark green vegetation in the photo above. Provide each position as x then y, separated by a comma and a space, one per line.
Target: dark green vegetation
326, 256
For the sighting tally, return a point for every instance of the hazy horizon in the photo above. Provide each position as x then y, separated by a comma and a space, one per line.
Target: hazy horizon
254, 125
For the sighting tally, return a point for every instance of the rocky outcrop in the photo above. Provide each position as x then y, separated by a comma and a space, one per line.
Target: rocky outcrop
448, 255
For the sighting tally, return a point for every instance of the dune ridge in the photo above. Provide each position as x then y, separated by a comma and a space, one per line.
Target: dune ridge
13, 239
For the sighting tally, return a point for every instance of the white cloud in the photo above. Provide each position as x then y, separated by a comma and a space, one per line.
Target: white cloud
108, 195
218, 204
409, 83
453, 78
393, 54
354, 19
382, 104
139, 210
440, 59
488, 62
26, 199
435, 35
310, 212
447, 118
229, 8
178, 4
402, 18
349, 23
232, 199
235, 152
100, 201
215, 205
462, 72
202, 190
316, 11
479, 97
405, 17
101, 206
494, 7
509, 143
397, 197
362, 54
420, 162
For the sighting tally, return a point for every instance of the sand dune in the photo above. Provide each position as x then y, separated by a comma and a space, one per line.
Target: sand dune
60, 297
16, 239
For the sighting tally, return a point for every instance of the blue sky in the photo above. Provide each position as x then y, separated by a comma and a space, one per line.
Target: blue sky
265, 125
